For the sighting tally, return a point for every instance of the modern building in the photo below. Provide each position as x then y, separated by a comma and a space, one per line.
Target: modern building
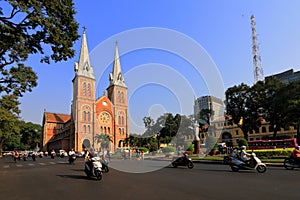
286, 76
89, 116
212, 103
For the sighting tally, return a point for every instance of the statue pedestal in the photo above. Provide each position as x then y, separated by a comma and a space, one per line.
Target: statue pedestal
197, 149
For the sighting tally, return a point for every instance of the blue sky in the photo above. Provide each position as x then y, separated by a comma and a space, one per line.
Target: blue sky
221, 29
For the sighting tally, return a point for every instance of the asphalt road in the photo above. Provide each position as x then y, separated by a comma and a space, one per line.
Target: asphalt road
56, 179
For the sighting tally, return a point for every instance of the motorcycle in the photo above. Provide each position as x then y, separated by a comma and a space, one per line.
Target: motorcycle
291, 163
184, 160
24, 156
104, 163
93, 168
72, 159
253, 164
227, 160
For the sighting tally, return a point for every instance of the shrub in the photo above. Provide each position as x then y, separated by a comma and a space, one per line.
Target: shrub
143, 149
243, 142
168, 149
190, 147
272, 153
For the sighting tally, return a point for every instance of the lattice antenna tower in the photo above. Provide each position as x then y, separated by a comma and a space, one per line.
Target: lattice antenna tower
257, 64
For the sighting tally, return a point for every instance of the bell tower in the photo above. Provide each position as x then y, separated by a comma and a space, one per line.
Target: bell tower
83, 103
117, 94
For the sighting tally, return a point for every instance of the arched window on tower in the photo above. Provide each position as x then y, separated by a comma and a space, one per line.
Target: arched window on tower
84, 89
89, 89
122, 98
122, 120
119, 120
88, 116
120, 131
84, 128
84, 115
89, 129
108, 130
101, 130
119, 97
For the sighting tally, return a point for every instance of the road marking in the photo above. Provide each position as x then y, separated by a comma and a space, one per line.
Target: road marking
30, 164
6, 166
42, 163
52, 163
19, 165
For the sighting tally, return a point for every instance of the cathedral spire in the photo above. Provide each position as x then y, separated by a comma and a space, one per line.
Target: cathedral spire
83, 66
116, 76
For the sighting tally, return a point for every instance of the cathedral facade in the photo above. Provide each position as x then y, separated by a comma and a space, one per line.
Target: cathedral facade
90, 117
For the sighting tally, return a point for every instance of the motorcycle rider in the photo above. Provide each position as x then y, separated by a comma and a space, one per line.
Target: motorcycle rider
88, 160
244, 155
71, 154
52, 154
296, 154
234, 153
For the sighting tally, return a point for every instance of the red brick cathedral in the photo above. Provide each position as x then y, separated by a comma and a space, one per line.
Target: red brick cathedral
89, 116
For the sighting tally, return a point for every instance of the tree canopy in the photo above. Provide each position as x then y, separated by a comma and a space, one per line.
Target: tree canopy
272, 101
45, 28
33, 27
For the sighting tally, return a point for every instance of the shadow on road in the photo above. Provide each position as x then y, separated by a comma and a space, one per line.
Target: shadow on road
73, 176
78, 170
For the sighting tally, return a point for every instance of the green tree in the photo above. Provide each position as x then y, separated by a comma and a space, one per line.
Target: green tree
9, 122
46, 28
271, 106
243, 142
104, 140
237, 105
290, 102
31, 27
30, 135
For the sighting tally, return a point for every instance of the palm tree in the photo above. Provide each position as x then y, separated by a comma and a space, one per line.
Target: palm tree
104, 140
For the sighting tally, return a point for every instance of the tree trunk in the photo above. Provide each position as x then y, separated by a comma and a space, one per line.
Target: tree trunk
245, 132
298, 133
275, 133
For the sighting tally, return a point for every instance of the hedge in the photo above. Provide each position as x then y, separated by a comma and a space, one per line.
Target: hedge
272, 153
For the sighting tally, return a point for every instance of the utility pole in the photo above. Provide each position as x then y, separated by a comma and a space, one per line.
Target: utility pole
257, 64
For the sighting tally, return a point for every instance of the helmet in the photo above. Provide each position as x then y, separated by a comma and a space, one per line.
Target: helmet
296, 147
243, 147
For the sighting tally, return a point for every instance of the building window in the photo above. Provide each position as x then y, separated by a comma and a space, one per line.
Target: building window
108, 129
101, 129
119, 97
119, 119
84, 89
122, 120
84, 128
89, 129
120, 131
84, 116
263, 130
89, 89
122, 98
237, 132
88, 116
